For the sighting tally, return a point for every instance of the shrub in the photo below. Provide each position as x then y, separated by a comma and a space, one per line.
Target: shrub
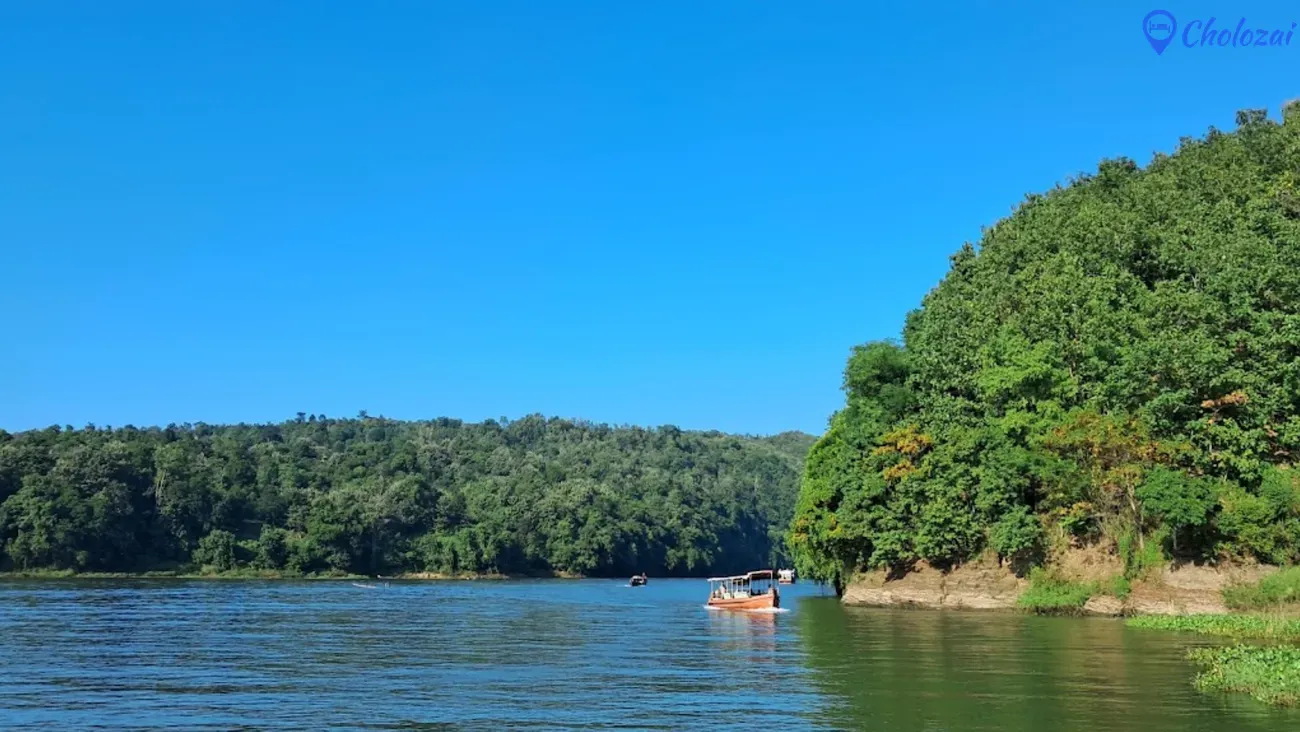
1141, 557
1019, 534
1078, 520
216, 550
1180, 501
1280, 588
303, 555
1265, 524
271, 550
1248, 522
1049, 594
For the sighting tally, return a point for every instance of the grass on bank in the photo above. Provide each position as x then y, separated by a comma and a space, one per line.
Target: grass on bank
1278, 589
1048, 594
1270, 674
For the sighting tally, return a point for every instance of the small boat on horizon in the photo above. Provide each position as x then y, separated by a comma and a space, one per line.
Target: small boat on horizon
785, 577
752, 591
638, 580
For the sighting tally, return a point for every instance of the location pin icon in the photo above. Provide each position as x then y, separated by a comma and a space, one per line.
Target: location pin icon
1159, 27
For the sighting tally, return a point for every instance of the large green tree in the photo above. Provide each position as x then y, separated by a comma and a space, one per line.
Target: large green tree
1120, 356
372, 495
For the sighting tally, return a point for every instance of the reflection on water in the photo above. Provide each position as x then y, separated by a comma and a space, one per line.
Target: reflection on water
571, 654
747, 637
918, 670
487, 655
746, 623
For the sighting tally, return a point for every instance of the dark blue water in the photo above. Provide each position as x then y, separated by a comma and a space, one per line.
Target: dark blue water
565, 654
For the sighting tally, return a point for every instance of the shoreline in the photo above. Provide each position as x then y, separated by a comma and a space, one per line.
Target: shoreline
986, 585
272, 576
266, 576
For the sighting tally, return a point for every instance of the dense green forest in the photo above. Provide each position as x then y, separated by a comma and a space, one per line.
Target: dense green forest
1117, 363
378, 496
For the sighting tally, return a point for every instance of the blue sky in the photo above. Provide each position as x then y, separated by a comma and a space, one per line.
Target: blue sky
648, 213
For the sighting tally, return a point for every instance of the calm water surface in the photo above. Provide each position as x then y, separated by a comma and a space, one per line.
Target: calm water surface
556, 654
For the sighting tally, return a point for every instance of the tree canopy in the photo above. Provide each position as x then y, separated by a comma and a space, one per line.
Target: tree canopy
373, 495
1117, 361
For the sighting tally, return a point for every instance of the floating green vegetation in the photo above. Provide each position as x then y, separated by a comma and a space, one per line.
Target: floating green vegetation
1270, 674
1229, 626
1281, 588
1048, 594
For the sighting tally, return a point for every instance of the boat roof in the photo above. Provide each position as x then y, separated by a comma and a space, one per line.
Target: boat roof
756, 574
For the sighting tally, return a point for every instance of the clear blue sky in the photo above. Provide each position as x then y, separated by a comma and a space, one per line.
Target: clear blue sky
649, 213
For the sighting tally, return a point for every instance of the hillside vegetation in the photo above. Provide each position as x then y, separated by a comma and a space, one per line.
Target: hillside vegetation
1116, 363
373, 496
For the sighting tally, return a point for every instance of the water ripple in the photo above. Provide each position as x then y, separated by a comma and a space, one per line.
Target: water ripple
571, 654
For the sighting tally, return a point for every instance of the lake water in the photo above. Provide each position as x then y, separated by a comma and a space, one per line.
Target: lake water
565, 654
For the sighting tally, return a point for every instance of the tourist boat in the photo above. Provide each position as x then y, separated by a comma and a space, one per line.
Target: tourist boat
785, 577
753, 591
638, 580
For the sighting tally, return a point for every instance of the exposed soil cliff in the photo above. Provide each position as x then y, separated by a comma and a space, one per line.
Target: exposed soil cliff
979, 585
986, 585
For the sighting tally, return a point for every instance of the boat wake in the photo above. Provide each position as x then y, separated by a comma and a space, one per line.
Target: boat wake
755, 611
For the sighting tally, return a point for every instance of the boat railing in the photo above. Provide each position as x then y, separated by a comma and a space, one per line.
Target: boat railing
743, 586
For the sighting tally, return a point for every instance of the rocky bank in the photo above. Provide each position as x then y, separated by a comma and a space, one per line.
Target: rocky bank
985, 584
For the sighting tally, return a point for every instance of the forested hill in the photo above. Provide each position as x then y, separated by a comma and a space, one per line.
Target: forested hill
1117, 363
377, 496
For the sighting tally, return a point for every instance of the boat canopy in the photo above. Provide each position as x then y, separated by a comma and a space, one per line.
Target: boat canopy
755, 575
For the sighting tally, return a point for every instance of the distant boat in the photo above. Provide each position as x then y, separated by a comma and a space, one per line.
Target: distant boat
785, 577
638, 580
753, 591
369, 587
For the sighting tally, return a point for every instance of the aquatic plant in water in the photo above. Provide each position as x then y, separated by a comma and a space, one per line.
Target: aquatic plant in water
1270, 674
1229, 626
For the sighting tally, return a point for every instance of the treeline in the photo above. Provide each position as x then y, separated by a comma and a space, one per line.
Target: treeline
1117, 362
378, 496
